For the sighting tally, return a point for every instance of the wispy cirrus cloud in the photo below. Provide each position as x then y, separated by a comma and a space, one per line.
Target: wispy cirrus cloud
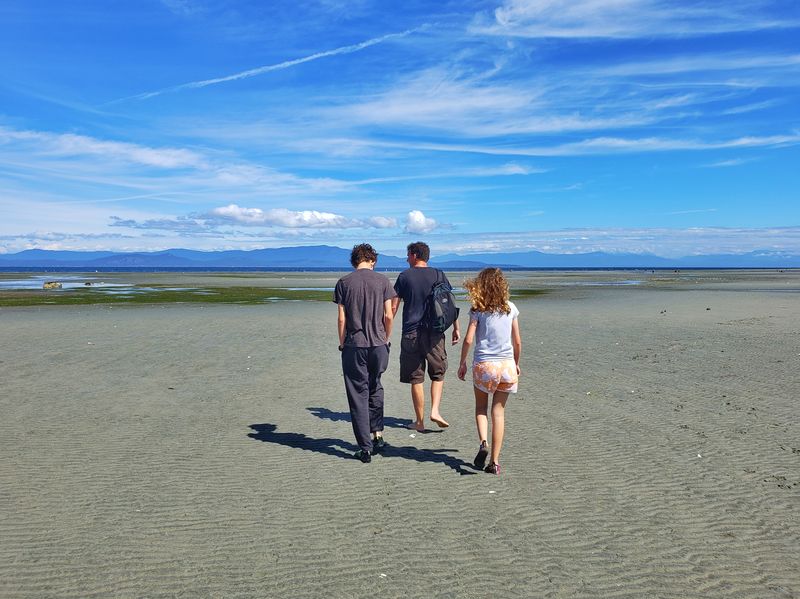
729, 163
440, 99
751, 107
69, 144
626, 19
275, 67
181, 224
694, 211
703, 63
660, 241
596, 146
163, 173
509, 170
183, 8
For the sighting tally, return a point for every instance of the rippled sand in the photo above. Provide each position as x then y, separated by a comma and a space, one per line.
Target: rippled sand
203, 451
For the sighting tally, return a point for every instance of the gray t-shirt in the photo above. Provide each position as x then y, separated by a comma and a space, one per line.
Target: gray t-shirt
362, 293
493, 335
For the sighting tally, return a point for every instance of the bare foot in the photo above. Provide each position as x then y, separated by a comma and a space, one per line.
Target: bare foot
416, 426
440, 421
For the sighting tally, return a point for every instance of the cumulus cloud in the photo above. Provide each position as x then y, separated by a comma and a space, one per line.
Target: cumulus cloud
381, 222
281, 217
296, 219
417, 222
222, 217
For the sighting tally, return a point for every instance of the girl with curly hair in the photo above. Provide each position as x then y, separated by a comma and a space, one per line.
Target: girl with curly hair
494, 330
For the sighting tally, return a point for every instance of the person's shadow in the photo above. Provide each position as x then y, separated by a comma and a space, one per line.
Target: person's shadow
388, 421
268, 433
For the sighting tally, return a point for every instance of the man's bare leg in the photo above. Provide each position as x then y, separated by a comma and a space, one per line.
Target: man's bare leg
418, 400
436, 399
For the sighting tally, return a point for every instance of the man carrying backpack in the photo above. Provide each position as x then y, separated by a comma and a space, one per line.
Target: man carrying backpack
422, 346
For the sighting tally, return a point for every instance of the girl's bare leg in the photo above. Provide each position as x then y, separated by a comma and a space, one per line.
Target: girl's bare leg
481, 408
498, 422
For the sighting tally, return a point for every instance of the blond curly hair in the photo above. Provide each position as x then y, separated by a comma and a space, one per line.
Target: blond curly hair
488, 292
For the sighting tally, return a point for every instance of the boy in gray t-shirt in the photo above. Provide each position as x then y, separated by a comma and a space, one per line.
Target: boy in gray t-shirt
364, 298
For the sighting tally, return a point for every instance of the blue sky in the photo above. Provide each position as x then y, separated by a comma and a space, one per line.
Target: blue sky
658, 126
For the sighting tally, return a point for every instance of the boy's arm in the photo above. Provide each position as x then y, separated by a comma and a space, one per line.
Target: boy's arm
388, 317
341, 323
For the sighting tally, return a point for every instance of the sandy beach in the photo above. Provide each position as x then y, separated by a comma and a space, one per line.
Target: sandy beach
205, 451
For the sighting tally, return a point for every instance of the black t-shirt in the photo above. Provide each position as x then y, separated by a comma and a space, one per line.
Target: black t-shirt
414, 285
362, 293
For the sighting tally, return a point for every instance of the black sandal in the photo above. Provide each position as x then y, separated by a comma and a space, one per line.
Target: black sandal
493, 468
480, 459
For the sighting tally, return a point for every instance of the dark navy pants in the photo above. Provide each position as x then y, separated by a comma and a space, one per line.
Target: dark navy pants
362, 368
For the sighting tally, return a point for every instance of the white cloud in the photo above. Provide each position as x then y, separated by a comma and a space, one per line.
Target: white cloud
181, 7
729, 163
382, 222
276, 67
625, 18
281, 217
736, 62
297, 219
417, 222
602, 145
69, 144
670, 243
470, 106
751, 107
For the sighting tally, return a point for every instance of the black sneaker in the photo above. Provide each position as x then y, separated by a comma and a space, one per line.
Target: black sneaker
378, 445
362, 455
492, 468
480, 458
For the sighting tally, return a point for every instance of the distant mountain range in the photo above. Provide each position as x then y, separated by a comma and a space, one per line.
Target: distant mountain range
329, 257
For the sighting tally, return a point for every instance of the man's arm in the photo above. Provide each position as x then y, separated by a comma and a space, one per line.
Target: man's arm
456, 331
341, 323
395, 304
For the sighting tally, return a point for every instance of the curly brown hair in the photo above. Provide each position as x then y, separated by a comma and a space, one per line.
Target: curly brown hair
488, 292
363, 252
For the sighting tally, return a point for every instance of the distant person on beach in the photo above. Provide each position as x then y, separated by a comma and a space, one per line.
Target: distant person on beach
364, 323
420, 347
494, 329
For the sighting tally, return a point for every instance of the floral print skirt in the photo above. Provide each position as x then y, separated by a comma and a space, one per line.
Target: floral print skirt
499, 375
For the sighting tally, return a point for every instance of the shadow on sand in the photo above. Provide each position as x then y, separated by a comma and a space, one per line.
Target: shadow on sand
268, 433
388, 421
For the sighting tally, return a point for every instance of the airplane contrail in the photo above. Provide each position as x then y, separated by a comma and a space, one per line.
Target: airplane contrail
274, 67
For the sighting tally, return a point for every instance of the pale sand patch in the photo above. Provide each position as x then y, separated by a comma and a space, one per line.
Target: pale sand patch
653, 451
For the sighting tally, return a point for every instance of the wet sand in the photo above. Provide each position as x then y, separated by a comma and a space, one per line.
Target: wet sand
204, 451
